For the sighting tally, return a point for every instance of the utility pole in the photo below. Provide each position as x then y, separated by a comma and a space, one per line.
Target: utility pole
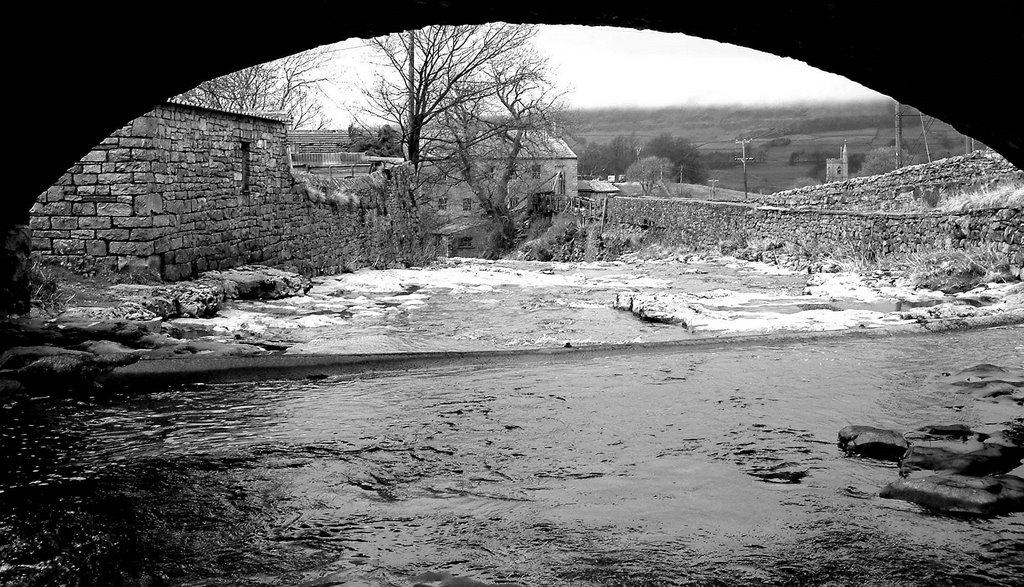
712, 182
744, 159
899, 136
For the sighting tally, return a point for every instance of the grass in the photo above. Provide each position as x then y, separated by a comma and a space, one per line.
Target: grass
53, 286
958, 270
1007, 195
46, 289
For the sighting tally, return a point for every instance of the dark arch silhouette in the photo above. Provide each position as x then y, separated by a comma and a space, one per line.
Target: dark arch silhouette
78, 73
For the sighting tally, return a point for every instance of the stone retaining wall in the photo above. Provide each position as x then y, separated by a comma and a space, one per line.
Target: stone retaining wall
915, 187
706, 224
185, 189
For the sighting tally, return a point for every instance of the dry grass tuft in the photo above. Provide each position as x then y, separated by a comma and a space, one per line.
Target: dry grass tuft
1010, 195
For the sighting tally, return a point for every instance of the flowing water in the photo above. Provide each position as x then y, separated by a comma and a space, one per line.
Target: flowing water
710, 466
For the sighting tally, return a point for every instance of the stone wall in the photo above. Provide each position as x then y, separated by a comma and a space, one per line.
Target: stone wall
185, 189
871, 234
915, 187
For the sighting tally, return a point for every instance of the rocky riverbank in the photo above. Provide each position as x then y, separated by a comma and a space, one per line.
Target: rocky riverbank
467, 305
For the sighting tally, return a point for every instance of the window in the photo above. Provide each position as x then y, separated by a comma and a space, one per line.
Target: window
467, 204
442, 203
535, 171
245, 166
465, 242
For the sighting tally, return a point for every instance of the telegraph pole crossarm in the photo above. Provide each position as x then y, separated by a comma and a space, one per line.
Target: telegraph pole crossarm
712, 182
743, 158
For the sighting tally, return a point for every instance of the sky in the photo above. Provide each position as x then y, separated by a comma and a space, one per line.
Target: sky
615, 67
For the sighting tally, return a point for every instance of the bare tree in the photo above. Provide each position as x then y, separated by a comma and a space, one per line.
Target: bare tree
477, 102
291, 85
432, 71
649, 172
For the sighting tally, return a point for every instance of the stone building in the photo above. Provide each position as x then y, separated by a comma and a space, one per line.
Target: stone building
838, 169
547, 165
184, 189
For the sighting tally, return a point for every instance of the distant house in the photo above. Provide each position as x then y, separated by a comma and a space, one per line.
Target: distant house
462, 239
546, 166
597, 189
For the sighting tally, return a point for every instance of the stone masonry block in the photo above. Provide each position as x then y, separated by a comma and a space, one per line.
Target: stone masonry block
145, 126
68, 246
94, 222
114, 178
128, 189
135, 143
95, 157
96, 248
142, 249
113, 209
148, 204
113, 234
83, 209
64, 222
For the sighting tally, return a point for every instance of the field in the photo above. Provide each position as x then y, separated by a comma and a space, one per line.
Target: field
788, 142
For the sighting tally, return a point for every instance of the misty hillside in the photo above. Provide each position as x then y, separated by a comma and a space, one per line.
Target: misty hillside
789, 142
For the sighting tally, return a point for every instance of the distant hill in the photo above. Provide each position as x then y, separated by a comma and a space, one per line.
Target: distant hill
790, 141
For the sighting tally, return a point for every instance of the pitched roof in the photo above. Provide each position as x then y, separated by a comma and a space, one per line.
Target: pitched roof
281, 117
320, 141
597, 186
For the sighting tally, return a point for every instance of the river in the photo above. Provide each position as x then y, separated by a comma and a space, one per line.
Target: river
700, 466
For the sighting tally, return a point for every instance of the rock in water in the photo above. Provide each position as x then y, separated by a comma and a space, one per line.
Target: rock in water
436, 579
961, 494
68, 371
875, 443
992, 459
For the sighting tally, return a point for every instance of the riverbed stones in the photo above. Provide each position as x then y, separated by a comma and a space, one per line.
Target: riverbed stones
991, 459
255, 282
990, 383
871, 442
952, 493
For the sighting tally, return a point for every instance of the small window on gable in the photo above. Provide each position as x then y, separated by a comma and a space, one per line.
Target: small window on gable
244, 154
465, 242
442, 203
467, 204
535, 171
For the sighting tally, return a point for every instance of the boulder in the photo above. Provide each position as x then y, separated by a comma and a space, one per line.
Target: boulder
122, 331
18, 357
208, 348
991, 459
261, 283
67, 371
875, 443
961, 494
958, 431
106, 347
